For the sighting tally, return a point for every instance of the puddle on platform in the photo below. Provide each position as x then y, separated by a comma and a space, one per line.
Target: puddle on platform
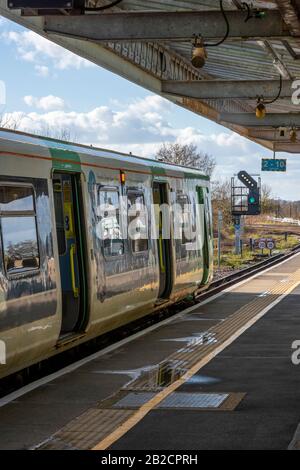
159, 376
264, 294
202, 380
198, 316
132, 373
194, 341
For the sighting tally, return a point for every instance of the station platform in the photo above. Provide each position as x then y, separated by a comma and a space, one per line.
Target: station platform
219, 375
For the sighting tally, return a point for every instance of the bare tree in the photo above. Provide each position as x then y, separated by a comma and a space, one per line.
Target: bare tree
14, 123
221, 200
59, 133
186, 155
9, 122
267, 202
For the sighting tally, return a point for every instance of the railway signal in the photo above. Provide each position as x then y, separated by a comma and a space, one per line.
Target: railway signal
246, 197
254, 202
245, 200
247, 179
254, 193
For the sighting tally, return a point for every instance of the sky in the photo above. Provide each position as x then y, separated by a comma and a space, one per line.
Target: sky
49, 89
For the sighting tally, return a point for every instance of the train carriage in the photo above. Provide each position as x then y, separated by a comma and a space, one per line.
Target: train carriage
69, 272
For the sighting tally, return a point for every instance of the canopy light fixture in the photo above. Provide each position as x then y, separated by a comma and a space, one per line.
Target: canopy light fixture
260, 110
199, 54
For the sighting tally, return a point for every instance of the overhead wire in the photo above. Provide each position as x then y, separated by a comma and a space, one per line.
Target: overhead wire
227, 28
249, 13
278, 94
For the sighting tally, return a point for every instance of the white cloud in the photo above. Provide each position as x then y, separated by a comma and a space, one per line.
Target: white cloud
144, 121
227, 141
46, 103
142, 126
42, 70
34, 48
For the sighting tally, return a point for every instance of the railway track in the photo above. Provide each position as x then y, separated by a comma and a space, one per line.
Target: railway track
65, 360
240, 275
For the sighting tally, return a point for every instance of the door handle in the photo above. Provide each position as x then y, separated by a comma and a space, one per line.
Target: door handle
73, 276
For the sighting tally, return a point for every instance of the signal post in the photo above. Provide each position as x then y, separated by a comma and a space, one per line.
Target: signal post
245, 200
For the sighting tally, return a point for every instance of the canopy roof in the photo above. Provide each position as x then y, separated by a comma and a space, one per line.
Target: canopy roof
150, 42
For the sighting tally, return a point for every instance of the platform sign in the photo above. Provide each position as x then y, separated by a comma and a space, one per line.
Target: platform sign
270, 244
261, 244
273, 164
265, 243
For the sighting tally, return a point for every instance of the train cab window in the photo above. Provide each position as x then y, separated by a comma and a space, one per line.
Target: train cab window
108, 227
137, 222
19, 229
187, 218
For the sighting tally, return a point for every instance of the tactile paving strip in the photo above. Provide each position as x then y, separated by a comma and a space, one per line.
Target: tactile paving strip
86, 430
91, 430
176, 400
194, 400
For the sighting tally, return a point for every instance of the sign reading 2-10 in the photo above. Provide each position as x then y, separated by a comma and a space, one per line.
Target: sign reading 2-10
273, 164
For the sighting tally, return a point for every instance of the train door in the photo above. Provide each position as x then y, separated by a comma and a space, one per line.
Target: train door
70, 238
202, 200
160, 197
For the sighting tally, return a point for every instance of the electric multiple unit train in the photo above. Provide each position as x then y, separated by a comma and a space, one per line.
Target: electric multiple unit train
64, 279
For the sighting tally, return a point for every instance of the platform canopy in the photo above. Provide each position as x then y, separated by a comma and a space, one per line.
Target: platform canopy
150, 42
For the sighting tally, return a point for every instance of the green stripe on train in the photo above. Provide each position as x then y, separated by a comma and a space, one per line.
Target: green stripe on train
194, 176
64, 159
158, 170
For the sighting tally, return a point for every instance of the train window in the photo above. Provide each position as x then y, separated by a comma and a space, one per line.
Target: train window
188, 218
19, 231
204, 199
208, 211
137, 222
108, 227
59, 217
16, 199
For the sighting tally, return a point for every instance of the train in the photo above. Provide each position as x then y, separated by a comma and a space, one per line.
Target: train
68, 272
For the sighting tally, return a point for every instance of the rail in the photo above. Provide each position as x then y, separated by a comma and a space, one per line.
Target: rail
242, 274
